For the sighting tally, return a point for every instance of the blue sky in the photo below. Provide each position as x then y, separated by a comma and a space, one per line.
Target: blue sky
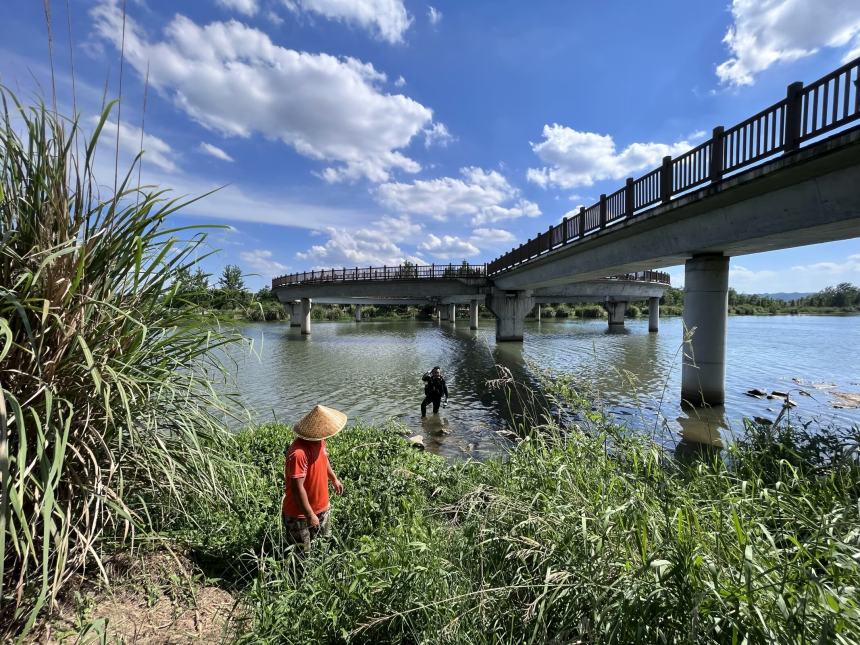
358, 132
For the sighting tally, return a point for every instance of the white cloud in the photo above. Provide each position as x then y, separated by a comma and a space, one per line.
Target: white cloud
155, 151
261, 260
434, 15
246, 7
765, 32
214, 151
234, 80
807, 277
437, 134
843, 269
577, 158
448, 247
376, 244
385, 19
484, 195
492, 237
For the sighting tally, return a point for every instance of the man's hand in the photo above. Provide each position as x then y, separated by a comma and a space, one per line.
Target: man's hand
313, 520
338, 487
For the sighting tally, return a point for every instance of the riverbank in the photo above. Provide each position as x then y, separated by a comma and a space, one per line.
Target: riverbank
587, 534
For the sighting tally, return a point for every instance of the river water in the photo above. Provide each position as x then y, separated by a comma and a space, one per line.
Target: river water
372, 371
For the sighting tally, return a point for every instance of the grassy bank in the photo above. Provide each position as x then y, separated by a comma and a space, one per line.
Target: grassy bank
591, 536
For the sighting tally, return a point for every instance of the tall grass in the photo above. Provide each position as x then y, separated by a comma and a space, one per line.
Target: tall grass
585, 533
107, 384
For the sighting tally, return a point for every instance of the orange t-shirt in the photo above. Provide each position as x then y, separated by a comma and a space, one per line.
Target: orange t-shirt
307, 459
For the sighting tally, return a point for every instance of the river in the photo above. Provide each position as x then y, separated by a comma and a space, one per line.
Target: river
372, 371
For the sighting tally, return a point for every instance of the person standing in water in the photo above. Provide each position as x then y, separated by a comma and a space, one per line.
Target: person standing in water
434, 388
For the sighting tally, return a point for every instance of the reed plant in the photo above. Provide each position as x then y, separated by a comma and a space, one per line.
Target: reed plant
108, 413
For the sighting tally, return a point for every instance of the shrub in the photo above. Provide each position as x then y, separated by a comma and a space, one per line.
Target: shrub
633, 311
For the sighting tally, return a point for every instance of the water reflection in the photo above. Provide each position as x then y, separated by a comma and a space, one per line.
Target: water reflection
373, 371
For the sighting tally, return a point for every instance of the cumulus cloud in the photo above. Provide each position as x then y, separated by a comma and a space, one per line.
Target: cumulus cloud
437, 134
434, 15
577, 158
233, 79
484, 195
262, 260
385, 19
493, 237
155, 151
448, 247
804, 277
376, 244
765, 32
245, 7
214, 151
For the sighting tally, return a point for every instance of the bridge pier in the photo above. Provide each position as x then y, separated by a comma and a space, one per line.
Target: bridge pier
444, 313
510, 310
452, 312
357, 313
295, 314
306, 316
654, 314
616, 310
538, 313
706, 287
473, 314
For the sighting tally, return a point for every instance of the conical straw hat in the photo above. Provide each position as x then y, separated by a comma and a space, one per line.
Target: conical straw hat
320, 423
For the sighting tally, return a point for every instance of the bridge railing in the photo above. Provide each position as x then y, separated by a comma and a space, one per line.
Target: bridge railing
431, 271
806, 113
402, 272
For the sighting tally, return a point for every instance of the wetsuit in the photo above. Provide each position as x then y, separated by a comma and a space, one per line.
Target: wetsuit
434, 389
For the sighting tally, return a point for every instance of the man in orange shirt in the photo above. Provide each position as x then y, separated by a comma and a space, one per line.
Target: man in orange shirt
307, 473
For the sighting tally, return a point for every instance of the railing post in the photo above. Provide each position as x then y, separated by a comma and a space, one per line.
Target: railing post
602, 210
564, 237
582, 221
793, 115
716, 161
629, 201
666, 180
549, 238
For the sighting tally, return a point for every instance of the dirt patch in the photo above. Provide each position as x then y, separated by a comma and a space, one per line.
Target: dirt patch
156, 598
850, 400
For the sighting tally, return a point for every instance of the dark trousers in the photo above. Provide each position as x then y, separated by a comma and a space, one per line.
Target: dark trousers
427, 399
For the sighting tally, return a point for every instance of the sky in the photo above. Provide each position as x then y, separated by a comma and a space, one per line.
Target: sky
369, 132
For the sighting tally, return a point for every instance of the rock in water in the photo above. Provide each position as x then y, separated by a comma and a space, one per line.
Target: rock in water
756, 393
779, 393
417, 441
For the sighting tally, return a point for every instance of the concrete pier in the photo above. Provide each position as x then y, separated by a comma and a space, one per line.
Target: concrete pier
357, 313
295, 314
473, 314
538, 313
706, 287
452, 312
306, 316
654, 314
616, 310
510, 309
444, 313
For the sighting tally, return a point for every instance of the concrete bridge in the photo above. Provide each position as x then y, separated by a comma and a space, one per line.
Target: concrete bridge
446, 287
785, 177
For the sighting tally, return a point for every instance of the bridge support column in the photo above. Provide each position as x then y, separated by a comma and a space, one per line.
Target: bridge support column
538, 313
444, 313
616, 310
510, 309
654, 314
706, 287
306, 316
295, 314
473, 314
357, 313
452, 312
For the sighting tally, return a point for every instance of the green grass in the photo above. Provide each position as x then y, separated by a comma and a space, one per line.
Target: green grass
591, 536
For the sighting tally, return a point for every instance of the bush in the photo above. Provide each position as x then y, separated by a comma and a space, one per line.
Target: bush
633, 311
111, 416
591, 311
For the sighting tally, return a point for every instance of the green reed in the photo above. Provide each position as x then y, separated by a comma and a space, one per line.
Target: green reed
106, 388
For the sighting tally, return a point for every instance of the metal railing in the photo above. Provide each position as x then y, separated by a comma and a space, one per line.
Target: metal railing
805, 113
402, 272
430, 271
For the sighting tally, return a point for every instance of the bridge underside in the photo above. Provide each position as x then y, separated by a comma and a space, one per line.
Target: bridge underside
808, 197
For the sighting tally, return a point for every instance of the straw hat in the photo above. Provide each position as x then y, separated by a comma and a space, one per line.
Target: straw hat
320, 423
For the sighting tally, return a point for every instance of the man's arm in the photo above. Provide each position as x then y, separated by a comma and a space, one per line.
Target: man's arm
445, 388
298, 487
338, 487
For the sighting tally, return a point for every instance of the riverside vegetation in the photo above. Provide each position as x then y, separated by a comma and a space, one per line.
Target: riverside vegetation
111, 441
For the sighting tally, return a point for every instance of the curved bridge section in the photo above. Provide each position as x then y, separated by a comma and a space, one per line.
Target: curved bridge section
448, 286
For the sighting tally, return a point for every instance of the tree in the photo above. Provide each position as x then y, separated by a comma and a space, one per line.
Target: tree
231, 293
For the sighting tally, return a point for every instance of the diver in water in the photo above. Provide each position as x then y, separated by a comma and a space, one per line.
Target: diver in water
434, 389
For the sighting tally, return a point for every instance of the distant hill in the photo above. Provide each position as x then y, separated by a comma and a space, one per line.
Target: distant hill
787, 296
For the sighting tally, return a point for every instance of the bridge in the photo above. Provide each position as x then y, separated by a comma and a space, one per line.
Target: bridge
787, 176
